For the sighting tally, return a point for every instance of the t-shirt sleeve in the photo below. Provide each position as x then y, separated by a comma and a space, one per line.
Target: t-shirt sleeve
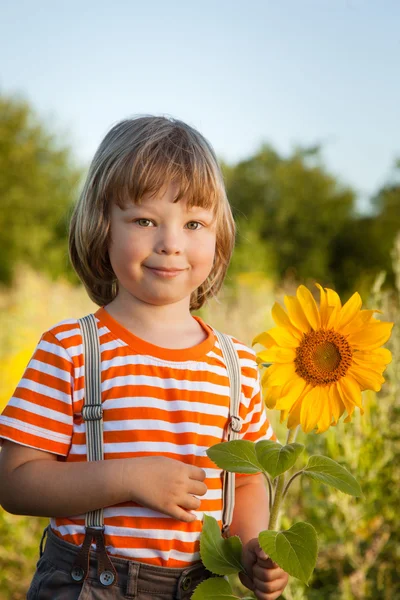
39, 414
255, 423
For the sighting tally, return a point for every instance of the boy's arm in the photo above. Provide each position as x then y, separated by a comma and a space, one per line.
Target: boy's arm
250, 517
35, 483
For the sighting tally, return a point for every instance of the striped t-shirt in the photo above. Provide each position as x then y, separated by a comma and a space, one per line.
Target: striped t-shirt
156, 401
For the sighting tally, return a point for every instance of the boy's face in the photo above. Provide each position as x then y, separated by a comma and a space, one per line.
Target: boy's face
165, 235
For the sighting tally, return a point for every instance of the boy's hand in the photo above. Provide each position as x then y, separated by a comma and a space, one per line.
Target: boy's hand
166, 485
267, 579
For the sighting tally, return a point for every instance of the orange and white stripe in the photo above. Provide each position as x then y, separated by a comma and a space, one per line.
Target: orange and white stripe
156, 401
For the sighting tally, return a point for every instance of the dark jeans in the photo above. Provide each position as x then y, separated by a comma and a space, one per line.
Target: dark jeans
135, 581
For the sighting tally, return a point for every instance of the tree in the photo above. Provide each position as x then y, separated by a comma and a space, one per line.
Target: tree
38, 182
297, 205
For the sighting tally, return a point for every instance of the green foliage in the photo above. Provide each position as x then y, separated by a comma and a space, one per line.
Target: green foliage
238, 456
38, 183
275, 458
295, 205
295, 550
220, 556
328, 471
215, 588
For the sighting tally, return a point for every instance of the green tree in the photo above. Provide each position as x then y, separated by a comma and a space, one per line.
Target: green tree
296, 205
38, 182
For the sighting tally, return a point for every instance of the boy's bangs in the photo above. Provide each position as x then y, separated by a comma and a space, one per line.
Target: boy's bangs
149, 172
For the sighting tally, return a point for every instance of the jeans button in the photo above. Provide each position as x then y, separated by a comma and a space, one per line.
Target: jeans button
107, 578
77, 574
186, 583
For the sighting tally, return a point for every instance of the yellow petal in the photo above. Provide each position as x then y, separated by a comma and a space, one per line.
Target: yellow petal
283, 337
325, 420
264, 339
290, 393
324, 309
367, 378
282, 320
363, 317
351, 389
280, 374
369, 365
309, 306
371, 337
311, 408
296, 314
349, 311
294, 415
271, 396
277, 355
380, 356
337, 406
333, 298
349, 406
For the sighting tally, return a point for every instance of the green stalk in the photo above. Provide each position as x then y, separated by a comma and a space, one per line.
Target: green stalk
273, 519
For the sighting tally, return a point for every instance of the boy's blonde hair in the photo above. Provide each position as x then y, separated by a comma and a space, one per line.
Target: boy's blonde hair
141, 156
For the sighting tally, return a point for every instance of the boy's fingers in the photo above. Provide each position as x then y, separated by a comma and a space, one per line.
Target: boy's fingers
262, 574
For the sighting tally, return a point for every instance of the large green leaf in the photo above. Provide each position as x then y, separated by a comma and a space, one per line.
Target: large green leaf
330, 472
294, 550
214, 589
220, 556
238, 456
275, 458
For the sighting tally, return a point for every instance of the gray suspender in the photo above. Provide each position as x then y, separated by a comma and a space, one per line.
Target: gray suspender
92, 411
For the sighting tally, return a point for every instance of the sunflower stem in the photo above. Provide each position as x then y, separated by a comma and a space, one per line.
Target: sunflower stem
279, 491
290, 482
269, 490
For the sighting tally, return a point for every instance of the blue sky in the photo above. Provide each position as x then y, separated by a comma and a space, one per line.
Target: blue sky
285, 72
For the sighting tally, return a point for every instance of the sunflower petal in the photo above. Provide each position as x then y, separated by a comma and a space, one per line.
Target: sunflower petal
323, 306
309, 307
349, 311
366, 378
333, 298
283, 337
264, 339
325, 420
296, 314
336, 402
372, 336
311, 408
379, 355
351, 389
294, 415
277, 355
279, 374
349, 406
363, 317
290, 393
271, 396
282, 319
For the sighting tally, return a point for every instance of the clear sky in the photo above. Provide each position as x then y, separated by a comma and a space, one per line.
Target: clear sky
285, 72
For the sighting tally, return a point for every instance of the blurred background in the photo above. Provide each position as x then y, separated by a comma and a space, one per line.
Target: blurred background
300, 99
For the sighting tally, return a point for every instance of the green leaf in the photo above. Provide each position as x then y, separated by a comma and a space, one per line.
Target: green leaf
214, 588
219, 555
330, 472
294, 550
238, 456
275, 458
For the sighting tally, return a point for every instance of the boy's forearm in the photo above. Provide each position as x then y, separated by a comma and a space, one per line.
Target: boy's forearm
251, 513
52, 488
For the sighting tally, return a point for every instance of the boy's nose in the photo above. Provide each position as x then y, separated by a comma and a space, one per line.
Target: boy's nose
169, 242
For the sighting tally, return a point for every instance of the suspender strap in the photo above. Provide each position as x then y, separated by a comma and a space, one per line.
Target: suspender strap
92, 413
234, 425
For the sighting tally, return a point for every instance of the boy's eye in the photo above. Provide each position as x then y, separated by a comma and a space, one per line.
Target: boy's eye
140, 222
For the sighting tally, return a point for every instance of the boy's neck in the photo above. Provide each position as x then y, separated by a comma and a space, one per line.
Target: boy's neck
165, 326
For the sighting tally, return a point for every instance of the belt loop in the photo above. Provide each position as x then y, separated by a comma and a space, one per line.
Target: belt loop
41, 549
133, 576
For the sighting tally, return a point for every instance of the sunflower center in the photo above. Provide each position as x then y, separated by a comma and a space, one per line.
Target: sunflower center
323, 357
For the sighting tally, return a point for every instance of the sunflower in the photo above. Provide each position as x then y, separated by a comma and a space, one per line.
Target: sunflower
322, 358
